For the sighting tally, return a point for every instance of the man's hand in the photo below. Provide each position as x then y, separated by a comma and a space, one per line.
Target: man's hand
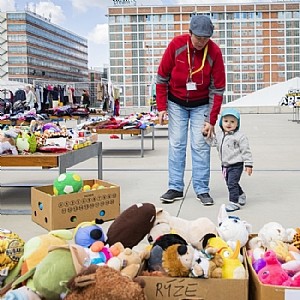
161, 116
208, 130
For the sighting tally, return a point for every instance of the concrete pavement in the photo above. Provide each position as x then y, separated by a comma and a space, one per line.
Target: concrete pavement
273, 190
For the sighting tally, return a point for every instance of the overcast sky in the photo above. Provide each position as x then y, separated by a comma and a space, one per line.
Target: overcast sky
88, 18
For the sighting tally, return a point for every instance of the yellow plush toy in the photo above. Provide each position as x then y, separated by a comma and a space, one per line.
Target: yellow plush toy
232, 267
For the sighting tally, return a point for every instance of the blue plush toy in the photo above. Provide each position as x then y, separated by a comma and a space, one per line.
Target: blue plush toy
86, 233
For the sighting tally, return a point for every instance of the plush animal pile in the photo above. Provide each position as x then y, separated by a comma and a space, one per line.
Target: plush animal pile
70, 264
275, 256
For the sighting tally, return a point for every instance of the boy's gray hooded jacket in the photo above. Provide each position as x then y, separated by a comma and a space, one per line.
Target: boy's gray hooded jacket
233, 148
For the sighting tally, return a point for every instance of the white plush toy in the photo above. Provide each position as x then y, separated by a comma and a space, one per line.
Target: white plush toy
7, 146
269, 234
231, 229
192, 231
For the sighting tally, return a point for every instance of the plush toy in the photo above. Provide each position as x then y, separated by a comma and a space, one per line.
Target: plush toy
269, 234
232, 267
132, 225
192, 231
128, 262
177, 260
101, 254
102, 283
67, 183
207, 264
8, 147
231, 229
50, 276
282, 251
11, 250
22, 293
26, 142
154, 262
86, 233
36, 249
296, 239
272, 273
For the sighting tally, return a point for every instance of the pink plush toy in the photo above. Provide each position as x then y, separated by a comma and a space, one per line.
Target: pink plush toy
272, 273
293, 281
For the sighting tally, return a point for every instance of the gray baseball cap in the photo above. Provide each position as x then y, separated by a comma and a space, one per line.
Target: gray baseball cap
201, 25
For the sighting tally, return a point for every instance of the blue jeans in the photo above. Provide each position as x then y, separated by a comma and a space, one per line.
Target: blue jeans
232, 176
181, 119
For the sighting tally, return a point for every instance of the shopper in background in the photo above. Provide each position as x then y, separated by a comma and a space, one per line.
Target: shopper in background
235, 154
86, 99
30, 97
189, 88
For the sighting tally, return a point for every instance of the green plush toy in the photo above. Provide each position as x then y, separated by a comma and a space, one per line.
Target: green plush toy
67, 183
35, 250
26, 142
50, 276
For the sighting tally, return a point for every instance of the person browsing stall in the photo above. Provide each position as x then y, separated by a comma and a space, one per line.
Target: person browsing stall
190, 85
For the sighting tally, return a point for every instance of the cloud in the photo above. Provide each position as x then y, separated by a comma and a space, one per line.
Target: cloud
7, 5
99, 34
47, 10
84, 5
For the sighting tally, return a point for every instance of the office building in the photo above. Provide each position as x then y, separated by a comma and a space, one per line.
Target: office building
32, 48
260, 43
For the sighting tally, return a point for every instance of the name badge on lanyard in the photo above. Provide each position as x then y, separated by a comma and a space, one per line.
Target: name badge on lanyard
191, 86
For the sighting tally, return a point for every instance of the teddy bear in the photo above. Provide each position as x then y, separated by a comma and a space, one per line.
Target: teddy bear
192, 231
103, 282
128, 261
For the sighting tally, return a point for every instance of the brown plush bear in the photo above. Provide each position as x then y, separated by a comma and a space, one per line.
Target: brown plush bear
102, 283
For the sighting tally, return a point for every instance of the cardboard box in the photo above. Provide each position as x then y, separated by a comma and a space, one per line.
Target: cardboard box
259, 291
67, 211
184, 288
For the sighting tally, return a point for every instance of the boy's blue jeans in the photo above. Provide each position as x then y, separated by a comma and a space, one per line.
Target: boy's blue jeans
183, 120
232, 175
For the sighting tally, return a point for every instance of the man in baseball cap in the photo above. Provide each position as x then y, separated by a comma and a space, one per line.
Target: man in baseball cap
201, 25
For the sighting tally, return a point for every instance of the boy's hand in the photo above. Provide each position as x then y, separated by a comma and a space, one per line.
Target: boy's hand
248, 170
208, 130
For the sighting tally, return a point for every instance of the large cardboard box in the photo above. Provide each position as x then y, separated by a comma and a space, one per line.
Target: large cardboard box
67, 211
181, 288
259, 291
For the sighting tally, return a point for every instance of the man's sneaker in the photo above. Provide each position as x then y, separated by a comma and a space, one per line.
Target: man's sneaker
205, 199
171, 196
242, 199
232, 207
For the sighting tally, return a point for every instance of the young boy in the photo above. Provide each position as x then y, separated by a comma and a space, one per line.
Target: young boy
234, 152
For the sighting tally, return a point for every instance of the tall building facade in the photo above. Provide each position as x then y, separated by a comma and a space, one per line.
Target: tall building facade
260, 43
32, 48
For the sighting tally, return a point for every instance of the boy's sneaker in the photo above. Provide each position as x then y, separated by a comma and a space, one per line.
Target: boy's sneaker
171, 196
205, 199
242, 199
232, 207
